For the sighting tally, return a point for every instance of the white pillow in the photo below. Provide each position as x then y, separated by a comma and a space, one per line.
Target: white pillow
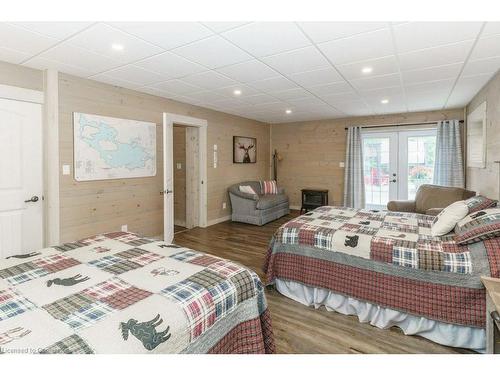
247, 189
448, 218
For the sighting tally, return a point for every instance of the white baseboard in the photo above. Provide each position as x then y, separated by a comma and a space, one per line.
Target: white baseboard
294, 207
180, 223
218, 220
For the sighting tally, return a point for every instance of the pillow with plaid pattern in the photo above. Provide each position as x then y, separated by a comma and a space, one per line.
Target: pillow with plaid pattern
478, 226
479, 203
269, 187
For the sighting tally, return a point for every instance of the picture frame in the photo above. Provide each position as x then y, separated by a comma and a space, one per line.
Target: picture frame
244, 150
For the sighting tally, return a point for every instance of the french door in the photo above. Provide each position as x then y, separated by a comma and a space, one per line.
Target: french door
396, 163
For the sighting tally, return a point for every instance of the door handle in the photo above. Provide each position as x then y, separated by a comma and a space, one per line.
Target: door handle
168, 191
33, 199
393, 180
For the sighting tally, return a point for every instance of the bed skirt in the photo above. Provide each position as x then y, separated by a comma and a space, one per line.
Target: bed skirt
381, 317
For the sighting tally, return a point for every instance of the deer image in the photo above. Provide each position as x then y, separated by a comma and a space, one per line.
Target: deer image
246, 157
69, 281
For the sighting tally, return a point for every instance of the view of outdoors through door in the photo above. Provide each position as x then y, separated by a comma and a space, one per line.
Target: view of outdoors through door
395, 164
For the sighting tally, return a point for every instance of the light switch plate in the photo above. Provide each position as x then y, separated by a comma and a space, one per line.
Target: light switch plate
342, 164
179, 165
66, 169
124, 228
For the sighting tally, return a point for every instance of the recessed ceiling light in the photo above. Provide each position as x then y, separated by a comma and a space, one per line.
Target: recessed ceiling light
288, 111
367, 70
117, 47
237, 92
384, 101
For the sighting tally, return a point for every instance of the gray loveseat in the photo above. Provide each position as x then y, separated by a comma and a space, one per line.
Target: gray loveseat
257, 209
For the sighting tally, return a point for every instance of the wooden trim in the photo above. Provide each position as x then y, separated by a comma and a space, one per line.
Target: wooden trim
21, 94
201, 124
219, 220
51, 157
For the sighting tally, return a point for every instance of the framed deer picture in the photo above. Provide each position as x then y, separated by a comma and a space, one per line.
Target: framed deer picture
244, 150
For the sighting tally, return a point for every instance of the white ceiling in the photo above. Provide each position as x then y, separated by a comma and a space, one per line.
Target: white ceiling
313, 69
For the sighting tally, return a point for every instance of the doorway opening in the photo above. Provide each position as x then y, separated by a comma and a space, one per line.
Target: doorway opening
396, 163
185, 173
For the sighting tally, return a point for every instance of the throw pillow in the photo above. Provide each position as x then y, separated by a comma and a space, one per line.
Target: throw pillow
478, 226
446, 220
479, 203
247, 189
269, 187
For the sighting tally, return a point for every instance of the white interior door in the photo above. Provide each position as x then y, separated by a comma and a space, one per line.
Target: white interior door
168, 180
21, 186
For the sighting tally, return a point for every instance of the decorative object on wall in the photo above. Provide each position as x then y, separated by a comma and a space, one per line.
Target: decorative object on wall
112, 148
476, 137
244, 150
277, 157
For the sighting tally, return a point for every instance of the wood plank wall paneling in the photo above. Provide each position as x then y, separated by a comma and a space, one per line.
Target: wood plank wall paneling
312, 150
93, 207
21, 76
179, 135
486, 180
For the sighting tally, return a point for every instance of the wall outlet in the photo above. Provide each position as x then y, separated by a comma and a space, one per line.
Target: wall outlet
179, 165
124, 228
224, 205
66, 169
342, 164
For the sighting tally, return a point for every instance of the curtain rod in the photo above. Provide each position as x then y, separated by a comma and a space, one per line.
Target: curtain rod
402, 124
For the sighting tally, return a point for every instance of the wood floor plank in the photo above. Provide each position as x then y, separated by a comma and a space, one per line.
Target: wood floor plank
298, 328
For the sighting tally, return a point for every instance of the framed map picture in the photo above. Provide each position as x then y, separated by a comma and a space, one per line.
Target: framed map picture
244, 150
110, 148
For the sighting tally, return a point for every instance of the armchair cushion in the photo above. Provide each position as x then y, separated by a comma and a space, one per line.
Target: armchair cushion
401, 206
271, 200
430, 196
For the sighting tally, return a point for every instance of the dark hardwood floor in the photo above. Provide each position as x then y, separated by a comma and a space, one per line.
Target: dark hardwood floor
298, 328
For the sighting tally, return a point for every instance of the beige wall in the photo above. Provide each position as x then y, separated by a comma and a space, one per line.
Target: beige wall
98, 206
179, 136
313, 150
20, 76
486, 180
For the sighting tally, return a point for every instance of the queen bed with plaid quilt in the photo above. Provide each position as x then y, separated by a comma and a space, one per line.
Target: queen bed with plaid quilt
386, 258
121, 293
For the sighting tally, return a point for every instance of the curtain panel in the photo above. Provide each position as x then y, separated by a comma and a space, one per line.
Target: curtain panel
354, 184
449, 165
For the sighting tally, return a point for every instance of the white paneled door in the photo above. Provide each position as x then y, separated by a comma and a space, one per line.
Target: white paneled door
21, 187
168, 180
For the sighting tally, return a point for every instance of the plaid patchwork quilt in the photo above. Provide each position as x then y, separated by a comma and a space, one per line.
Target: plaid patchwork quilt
121, 293
387, 258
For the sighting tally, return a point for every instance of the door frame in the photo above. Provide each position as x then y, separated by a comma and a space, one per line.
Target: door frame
169, 119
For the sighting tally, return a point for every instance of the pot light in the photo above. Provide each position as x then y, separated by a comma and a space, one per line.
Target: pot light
367, 70
288, 111
237, 92
117, 46
384, 101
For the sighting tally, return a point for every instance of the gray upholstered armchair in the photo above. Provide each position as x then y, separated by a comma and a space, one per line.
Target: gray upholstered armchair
257, 209
431, 199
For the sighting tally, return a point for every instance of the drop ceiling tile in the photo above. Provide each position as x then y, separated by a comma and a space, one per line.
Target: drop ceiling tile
324, 31
268, 38
354, 108
78, 57
297, 93
135, 75
361, 47
297, 61
273, 85
170, 65
57, 30
42, 64
21, 40
331, 89
378, 82
419, 35
206, 96
427, 101
100, 37
220, 27
443, 55
13, 56
375, 96
259, 99
248, 71
435, 73
317, 77
213, 52
491, 28
466, 88
382, 66
177, 87
486, 47
342, 97
475, 67
114, 81
209, 80
166, 35
432, 86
